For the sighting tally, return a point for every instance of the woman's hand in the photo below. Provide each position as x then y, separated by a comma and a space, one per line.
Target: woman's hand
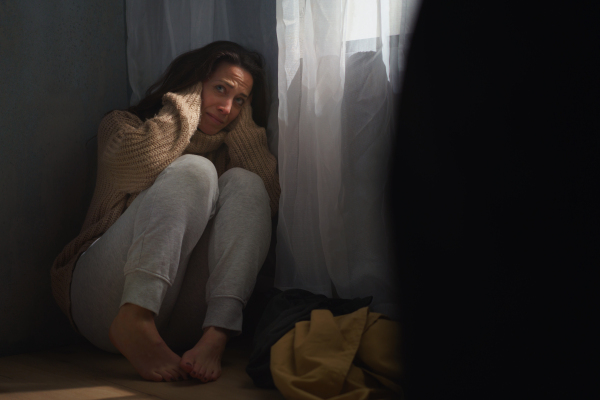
244, 118
248, 149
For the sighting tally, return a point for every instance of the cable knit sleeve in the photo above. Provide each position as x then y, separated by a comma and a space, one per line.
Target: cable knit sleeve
135, 152
248, 149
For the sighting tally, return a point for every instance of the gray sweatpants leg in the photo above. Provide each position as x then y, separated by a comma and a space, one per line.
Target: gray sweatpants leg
166, 254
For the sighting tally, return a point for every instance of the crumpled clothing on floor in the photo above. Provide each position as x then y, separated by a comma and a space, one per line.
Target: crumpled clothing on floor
348, 357
281, 313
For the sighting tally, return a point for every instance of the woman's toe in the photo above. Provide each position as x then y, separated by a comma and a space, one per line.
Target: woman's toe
154, 376
197, 373
187, 366
177, 374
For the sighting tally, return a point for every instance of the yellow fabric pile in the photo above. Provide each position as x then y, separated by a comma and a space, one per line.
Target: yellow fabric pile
349, 357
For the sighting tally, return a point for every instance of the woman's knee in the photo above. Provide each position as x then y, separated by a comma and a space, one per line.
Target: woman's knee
192, 168
244, 181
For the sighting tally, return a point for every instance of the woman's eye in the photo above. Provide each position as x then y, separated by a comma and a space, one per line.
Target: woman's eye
240, 101
220, 88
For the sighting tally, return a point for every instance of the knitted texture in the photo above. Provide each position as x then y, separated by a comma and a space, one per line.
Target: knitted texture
132, 153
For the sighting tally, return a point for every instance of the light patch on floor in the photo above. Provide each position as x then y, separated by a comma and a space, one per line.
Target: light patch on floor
83, 372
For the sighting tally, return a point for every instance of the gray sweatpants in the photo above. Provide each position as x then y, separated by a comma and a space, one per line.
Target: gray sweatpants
188, 248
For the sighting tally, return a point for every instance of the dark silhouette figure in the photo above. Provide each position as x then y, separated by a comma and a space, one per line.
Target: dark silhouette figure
496, 199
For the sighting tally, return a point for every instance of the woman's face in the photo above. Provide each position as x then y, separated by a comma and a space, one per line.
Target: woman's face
223, 95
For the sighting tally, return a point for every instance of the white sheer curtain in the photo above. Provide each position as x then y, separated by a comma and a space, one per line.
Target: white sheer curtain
160, 30
340, 68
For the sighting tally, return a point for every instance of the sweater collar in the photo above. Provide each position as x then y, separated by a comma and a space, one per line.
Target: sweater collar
201, 143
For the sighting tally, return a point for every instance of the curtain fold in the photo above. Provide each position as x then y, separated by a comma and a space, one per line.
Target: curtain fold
340, 65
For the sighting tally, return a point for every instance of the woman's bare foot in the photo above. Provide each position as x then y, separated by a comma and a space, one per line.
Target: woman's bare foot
134, 334
203, 362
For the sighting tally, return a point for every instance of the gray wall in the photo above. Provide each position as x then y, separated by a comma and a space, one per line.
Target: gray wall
62, 66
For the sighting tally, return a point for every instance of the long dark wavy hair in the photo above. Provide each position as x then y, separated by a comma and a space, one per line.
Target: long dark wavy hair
197, 65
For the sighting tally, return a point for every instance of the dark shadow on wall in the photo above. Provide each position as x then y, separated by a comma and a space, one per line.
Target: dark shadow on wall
62, 66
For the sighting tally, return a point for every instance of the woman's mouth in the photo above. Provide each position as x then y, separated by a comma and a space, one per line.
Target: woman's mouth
215, 120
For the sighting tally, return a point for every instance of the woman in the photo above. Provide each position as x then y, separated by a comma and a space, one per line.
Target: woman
179, 224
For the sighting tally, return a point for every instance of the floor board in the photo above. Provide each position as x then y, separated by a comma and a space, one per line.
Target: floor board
83, 372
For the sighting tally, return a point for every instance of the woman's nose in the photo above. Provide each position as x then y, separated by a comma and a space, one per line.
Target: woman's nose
225, 106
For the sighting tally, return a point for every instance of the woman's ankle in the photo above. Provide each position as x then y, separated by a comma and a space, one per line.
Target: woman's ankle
217, 331
134, 311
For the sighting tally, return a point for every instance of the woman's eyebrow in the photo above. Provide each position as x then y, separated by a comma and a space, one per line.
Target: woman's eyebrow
225, 81
230, 84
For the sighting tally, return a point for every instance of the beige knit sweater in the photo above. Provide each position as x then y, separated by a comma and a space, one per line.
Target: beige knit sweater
132, 153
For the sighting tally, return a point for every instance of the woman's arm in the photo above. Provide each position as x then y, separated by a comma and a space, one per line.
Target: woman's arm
135, 152
248, 149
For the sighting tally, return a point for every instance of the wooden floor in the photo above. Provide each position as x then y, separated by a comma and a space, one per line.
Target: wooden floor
83, 372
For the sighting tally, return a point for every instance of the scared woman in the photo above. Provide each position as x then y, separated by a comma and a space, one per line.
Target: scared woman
180, 220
